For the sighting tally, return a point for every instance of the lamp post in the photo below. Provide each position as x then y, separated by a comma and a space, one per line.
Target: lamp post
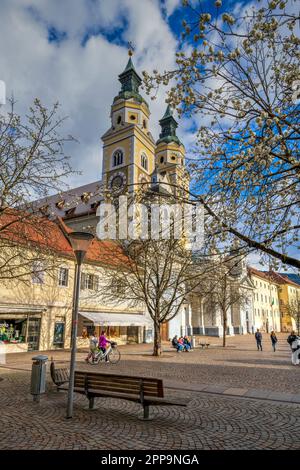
80, 242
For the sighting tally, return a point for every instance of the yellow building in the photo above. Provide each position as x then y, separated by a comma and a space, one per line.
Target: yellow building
289, 297
131, 157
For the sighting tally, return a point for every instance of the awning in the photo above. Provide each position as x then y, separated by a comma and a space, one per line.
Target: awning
117, 319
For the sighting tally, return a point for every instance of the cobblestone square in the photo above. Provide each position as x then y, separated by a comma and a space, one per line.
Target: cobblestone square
238, 398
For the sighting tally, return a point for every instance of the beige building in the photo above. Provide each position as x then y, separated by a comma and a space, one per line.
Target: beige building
36, 312
266, 309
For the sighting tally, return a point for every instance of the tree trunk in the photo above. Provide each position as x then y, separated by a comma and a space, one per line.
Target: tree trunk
224, 329
157, 340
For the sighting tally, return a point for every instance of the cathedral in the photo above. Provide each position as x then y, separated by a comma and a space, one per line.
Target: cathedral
133, 159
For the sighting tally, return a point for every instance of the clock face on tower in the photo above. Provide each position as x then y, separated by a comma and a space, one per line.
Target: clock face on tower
117, 182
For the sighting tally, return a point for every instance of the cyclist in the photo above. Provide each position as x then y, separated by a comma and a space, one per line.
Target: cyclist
93, 346
103, 342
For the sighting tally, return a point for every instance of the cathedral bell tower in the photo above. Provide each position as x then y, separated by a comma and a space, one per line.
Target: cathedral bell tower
170, 155
128, 146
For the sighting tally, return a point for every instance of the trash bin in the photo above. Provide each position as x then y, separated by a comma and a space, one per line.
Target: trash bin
193, 341
38, 376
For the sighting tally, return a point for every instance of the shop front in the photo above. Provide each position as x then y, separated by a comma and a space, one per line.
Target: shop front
123, 328
20, 329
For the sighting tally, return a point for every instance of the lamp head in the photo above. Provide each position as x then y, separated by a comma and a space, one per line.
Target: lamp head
80, 242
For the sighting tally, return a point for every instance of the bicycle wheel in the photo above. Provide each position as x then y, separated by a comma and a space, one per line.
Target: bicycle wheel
114, 356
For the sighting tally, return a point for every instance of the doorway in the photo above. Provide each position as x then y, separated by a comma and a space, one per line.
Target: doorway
164, 331
34, 334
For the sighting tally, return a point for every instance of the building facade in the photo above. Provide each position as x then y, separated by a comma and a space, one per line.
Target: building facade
267, 315
289, 301
36, 311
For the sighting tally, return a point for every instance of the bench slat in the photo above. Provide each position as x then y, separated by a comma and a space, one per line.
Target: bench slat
118, 388
119, 384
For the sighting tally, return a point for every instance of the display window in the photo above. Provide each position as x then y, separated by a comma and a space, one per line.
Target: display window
13, 331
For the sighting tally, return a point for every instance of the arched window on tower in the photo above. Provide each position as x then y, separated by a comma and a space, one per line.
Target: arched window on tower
118, 158
144, 161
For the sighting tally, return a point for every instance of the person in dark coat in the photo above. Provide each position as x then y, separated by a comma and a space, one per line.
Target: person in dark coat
273, 340
294, 342
258, 337
291, 338
176, 344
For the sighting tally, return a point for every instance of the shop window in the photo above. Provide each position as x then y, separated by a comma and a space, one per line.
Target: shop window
59, 334
63, 277
38, 273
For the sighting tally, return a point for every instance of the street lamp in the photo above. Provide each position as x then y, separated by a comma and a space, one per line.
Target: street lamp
80, 242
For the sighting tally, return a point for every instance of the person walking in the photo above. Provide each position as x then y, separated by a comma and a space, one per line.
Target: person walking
294, 342
273, 340
258, 337
93, 347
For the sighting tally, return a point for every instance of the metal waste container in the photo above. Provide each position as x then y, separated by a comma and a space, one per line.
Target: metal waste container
38, 376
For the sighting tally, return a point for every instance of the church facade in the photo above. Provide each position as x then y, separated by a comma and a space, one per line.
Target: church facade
132, 159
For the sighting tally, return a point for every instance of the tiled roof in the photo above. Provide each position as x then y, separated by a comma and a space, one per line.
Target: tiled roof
52, 235
271, 276
293, 277
281, 279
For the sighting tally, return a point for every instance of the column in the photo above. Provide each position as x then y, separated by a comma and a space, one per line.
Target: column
189, 320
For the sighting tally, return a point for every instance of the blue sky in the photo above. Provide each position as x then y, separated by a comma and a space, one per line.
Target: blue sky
72, 51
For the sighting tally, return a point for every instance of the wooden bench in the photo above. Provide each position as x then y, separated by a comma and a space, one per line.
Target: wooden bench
144, 390
59, 376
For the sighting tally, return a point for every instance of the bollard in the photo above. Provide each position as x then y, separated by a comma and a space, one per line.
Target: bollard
38, 376
193, 341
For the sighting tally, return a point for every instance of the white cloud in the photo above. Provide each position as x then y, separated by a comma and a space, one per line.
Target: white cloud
83, 79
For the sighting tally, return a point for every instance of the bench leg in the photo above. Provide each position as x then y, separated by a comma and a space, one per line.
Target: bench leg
91, 403
146, 412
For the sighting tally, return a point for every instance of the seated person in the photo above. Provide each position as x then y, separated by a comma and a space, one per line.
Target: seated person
181, 343
175, 341
176, 344
187, 343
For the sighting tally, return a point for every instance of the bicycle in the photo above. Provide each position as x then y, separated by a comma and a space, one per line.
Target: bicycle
112, 353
